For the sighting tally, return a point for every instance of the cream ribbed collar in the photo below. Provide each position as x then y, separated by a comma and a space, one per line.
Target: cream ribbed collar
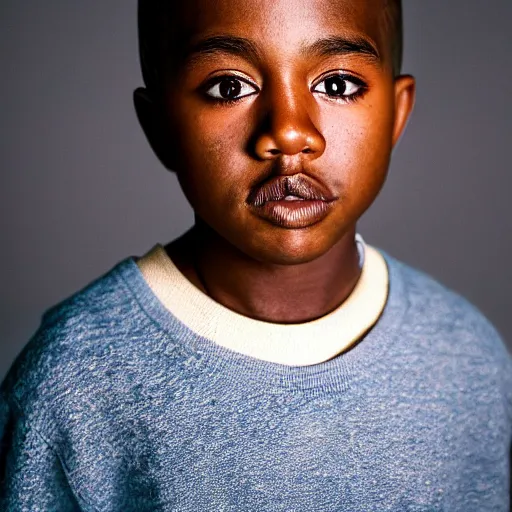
292, 344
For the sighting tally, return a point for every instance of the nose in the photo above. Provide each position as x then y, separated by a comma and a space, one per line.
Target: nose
288, 128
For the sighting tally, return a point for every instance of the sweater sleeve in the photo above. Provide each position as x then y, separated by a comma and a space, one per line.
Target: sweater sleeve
31, 475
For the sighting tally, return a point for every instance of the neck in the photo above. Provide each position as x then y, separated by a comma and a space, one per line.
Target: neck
283, 294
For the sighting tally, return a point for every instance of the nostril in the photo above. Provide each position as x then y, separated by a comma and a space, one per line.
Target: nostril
307, 150
274, 151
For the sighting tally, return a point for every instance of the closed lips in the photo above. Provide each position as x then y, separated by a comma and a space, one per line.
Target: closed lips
288, 188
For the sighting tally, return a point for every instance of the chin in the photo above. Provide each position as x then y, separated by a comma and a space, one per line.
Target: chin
292, 249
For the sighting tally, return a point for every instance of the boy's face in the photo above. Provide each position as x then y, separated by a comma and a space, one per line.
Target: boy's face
269, 89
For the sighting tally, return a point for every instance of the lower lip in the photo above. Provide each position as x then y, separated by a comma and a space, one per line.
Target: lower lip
294, 214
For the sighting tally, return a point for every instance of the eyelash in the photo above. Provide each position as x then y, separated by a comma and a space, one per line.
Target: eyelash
342, 99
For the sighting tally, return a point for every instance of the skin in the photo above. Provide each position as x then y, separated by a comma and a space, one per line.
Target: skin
287, 124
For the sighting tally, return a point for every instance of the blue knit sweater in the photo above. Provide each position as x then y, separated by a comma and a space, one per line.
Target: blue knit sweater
115, 405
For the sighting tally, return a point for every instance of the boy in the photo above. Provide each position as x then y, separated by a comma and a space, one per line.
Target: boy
268, 359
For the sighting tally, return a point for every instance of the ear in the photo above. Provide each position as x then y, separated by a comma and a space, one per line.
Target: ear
405, 94
154, 126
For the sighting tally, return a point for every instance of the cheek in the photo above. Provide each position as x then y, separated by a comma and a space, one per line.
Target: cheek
359, 143
206, 136
212, 147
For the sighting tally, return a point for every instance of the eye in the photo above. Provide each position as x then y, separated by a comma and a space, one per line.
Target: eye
229, 88
340, 86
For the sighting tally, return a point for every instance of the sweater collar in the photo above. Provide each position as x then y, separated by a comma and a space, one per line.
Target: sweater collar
301, 344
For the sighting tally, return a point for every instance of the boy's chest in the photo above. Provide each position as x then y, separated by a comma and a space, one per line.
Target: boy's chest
284, 452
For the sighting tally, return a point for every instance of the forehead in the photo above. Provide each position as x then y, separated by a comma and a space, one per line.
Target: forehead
282, 24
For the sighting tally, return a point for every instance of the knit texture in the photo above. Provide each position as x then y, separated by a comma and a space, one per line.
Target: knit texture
114, 405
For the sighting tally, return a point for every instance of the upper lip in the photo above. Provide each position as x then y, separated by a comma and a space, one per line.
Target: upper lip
278, 187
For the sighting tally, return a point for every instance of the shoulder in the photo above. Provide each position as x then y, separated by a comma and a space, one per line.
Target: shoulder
446, 322
74, 334
433, 302
431, 306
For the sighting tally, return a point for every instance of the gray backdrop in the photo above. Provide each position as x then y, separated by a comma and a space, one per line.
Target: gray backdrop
80, 189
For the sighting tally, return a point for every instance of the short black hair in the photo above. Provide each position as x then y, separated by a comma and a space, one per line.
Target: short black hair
393, 20
155, 45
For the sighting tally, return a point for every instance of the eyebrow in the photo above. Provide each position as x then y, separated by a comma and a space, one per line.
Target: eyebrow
241, 47
233, 45
337, 45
